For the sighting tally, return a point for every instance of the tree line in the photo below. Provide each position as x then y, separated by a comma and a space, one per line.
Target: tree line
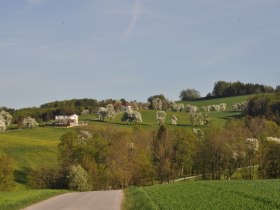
228, 89
114, 158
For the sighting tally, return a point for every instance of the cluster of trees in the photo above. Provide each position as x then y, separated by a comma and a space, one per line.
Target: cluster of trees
6, 120
111, 158
48, 111
189, 95
267, 106
227, 89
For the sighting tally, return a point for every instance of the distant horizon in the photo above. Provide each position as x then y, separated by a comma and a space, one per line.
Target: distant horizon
52, 50
127, 99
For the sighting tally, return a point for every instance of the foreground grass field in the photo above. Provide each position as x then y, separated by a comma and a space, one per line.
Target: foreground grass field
260, 194
20, 199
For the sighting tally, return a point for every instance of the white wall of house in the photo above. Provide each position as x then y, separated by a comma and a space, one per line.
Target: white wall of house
74, 119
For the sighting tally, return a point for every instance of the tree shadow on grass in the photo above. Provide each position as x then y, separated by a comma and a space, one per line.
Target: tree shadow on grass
21, 175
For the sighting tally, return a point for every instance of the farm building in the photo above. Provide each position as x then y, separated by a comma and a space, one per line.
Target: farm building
67, 120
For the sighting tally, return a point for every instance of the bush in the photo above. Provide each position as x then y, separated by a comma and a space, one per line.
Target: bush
43, 178
6, 173
78, 179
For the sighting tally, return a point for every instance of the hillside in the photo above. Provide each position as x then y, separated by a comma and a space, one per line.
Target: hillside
32, 148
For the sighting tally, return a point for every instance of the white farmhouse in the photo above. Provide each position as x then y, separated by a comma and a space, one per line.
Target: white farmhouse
67, 120
128, 108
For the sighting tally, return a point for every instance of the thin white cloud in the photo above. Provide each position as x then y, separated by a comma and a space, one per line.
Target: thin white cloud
136, 15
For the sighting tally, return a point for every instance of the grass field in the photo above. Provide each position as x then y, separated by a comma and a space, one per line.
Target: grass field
32, 147
260, 194
20, 199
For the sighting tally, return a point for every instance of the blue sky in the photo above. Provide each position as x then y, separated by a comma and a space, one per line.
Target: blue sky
62, 49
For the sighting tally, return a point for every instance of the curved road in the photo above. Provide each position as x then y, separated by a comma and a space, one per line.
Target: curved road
98, 200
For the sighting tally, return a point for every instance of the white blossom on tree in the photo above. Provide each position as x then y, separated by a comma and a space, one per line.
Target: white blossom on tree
83, 135
223, 107
3, 126
252, 144
5, 120
78, 178
131, 116
101, 114
110, 112
191, 109
161, 115
7, 117
29, 122
215, 108
240, 107
198, 132
157, 104
273, 139
174, 120
197, 118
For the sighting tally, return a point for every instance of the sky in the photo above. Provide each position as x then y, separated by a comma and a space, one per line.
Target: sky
62, 49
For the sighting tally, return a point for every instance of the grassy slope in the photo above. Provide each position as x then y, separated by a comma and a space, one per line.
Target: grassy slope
260, 194
33, 148
20, 199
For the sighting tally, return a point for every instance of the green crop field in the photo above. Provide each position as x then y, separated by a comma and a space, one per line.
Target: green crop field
19, 199
260, 194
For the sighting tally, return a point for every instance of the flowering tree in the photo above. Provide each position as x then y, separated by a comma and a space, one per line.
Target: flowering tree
7, 117
157, 104
190, 108
106, 113
102, 113
2, 124
252, 148
132, 117
174, 120
5, 120
197, 118
110, 112
78, 178
29, 122
161, 115
240, 107
198, 132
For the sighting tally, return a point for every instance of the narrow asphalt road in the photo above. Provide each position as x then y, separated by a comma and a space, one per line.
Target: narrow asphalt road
98, 200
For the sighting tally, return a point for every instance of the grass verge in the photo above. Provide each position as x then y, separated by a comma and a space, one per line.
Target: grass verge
137, 199
16, 200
